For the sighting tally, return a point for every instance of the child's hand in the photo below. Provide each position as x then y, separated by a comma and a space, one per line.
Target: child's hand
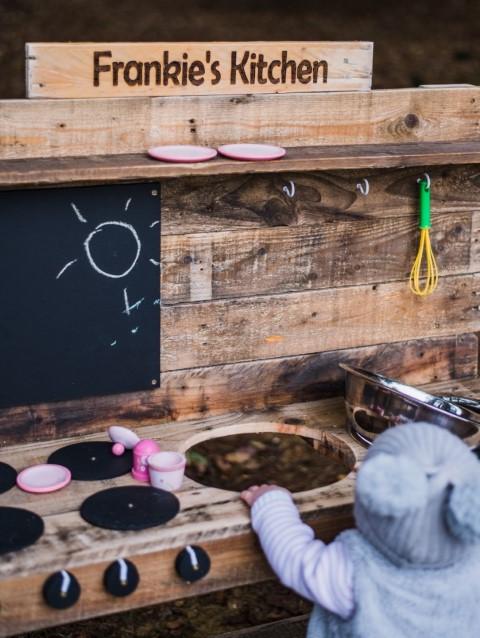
252, 493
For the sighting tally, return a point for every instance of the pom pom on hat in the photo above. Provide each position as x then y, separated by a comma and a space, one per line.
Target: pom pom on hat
391, 485
418, 496
463, 511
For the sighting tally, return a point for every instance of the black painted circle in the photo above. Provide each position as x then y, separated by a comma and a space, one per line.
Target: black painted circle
113, 584
8, 477
130, 508
187, 570
52, 591
19, 528
92, 460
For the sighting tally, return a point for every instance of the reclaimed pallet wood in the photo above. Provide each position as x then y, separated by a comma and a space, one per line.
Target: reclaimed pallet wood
97, 168
252, 328
243, 387
214, 518
133, 69
255, 201
235, 264
63, 128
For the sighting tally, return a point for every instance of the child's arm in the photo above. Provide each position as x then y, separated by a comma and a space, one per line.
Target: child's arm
322, 573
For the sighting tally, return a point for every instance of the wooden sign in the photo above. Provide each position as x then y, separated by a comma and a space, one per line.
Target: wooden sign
86, 70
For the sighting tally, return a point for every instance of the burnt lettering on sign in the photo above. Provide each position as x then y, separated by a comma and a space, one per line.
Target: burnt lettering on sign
246, 68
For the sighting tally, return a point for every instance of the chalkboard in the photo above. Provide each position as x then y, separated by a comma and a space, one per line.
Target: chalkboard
79, 292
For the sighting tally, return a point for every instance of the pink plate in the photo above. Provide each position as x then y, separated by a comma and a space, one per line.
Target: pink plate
253, 152
182, 153
44, 478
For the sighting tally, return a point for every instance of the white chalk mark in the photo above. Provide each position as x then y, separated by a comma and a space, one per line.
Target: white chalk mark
114, 343
125, 296
155, 263
154, 223
127, 204
92, 261
65, 268
135, 330
78, 213
129, 307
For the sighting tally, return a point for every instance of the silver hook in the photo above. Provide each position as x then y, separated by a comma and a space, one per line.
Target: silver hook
364, 189
290, 191
427, 178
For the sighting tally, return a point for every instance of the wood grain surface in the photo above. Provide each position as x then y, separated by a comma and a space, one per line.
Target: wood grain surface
63, 128
135, 69
242, 387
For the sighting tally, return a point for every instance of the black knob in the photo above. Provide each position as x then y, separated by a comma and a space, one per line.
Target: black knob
192, 563
61, 590
121, 578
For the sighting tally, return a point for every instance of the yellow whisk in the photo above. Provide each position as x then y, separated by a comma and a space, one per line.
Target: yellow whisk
425, 249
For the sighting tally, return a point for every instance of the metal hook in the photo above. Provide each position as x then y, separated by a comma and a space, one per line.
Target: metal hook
290, 191
427, 178
364, 189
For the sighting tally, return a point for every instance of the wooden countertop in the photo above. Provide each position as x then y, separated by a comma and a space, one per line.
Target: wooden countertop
213, 518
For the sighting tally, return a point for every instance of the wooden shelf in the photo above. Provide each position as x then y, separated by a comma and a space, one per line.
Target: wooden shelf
139, 167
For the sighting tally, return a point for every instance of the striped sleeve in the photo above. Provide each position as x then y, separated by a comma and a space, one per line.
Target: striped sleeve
319, 572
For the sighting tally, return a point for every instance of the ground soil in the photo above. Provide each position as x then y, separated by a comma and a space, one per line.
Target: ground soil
415, 42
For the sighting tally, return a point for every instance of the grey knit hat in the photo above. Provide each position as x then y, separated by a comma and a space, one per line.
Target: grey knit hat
418, 496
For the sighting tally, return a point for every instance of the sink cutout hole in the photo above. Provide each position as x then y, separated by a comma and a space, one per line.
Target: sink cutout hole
237, 461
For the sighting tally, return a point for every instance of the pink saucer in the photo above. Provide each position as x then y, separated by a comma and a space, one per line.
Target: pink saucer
182, 153
44, 478
252, 152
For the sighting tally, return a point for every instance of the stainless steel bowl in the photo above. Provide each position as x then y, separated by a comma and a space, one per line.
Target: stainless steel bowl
374, 403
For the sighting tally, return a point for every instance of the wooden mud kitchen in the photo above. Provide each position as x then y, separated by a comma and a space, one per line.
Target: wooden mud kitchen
192, 300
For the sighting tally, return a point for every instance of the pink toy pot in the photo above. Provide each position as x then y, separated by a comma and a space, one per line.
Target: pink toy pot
166, 470
141, 452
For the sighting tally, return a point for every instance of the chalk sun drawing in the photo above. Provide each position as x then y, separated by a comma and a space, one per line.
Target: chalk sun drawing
93, 263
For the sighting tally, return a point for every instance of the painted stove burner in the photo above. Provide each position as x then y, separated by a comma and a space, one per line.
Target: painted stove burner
132, 507
8, 477
20, 528
92, 460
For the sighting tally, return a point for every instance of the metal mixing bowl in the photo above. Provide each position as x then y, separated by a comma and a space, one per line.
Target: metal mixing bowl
374, 403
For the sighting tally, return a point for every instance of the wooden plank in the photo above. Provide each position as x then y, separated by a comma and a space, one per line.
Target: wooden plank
200, 267
228, 331
63, 128
95, 169
202, 392
135, 69
250, 202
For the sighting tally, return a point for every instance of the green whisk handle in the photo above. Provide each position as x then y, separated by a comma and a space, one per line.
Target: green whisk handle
424, 205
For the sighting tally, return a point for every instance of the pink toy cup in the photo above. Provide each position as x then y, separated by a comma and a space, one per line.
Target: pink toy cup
166, 470
141, 453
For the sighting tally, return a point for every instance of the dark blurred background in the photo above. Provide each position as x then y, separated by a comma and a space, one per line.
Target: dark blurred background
416, 42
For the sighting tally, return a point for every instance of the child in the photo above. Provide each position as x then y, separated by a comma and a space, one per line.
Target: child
411, 568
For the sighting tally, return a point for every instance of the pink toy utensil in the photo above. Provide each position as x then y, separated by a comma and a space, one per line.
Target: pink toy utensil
141, 452
123, 439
